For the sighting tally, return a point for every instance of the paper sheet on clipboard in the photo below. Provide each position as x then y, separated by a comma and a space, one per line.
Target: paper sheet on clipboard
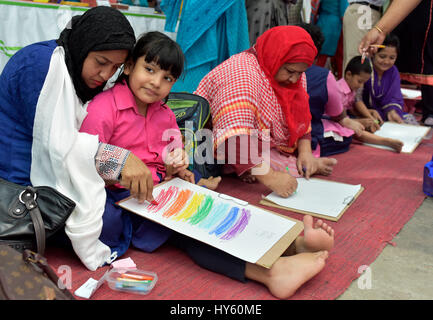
320, 198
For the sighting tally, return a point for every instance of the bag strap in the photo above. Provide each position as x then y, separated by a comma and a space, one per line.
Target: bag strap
42, 263
28, 198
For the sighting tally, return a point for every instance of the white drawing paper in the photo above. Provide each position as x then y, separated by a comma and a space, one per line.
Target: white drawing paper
247, 236
326, 198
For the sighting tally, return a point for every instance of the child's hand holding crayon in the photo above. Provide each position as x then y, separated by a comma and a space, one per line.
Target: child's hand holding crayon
175, 162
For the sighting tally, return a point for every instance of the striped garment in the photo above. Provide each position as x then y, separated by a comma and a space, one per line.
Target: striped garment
242, 101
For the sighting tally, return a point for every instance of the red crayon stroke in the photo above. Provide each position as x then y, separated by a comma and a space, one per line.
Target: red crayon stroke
163, 197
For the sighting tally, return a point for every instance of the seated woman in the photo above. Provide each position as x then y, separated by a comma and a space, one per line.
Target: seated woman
258, 96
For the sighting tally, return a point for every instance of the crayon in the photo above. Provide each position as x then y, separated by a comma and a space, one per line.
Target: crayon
134, 281
129, 288
136, 276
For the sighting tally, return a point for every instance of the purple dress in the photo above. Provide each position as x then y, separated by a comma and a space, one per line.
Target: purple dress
384, 94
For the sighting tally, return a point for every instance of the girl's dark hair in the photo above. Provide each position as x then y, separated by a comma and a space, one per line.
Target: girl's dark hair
355, 66
391, 40
315, 34
157, 47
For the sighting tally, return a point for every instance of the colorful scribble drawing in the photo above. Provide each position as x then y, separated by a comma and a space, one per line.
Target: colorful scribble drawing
203, 210
227, 222
182, 199
216, 215
239, 226
223, 220
163, 198
191, 208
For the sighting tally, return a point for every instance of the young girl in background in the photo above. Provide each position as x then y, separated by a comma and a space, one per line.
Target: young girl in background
382, 92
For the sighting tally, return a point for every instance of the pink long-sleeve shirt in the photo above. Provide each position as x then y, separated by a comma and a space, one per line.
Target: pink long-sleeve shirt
113, 115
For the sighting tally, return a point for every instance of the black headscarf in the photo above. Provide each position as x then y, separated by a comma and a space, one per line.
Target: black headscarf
100, 28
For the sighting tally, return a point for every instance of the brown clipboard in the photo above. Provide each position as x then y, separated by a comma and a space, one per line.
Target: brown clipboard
317, 215
272, 255
279, 247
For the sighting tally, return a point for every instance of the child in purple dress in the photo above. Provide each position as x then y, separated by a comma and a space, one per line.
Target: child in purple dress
382, 92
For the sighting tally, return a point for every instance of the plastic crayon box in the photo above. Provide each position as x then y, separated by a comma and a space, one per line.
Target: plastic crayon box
132, 281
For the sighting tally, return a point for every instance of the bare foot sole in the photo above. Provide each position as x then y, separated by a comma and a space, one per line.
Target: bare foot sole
289, 273
325, 166
211, 183
319, 236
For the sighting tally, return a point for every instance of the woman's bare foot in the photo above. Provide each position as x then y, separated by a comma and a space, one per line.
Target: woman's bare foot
397, 145
287, 274
281, 183
325, 166
211, 183
317, 237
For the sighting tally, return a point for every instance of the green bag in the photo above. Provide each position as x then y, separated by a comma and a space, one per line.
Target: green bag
192, 114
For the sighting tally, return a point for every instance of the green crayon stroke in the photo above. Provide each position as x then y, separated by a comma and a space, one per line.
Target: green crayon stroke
203, 211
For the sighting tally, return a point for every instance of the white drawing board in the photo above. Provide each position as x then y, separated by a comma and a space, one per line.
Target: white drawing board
410, 135
224, 222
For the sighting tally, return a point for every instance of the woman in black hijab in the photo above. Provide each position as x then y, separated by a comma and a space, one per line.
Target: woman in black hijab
99, 29
43, 91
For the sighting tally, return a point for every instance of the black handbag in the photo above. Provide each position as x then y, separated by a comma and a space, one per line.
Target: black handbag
30, 215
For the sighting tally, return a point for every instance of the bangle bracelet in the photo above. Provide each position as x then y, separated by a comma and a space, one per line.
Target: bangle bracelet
378, 29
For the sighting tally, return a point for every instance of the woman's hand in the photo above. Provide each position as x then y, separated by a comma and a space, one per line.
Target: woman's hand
282, 183
393, 116
372, 37
175, 162
376, 116
306, 164
137, 178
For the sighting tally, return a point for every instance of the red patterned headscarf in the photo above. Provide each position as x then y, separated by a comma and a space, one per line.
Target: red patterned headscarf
278, 46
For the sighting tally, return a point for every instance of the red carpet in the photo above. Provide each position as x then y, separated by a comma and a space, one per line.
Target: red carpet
393, 191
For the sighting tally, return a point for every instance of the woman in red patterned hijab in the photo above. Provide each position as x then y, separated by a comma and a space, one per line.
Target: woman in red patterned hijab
261, 93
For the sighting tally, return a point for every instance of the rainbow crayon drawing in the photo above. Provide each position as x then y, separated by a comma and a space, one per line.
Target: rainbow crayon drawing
224, 222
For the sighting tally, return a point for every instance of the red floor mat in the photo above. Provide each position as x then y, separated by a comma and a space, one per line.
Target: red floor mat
393, 191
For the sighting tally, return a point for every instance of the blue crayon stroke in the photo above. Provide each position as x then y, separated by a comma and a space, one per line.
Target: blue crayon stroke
214, 216
227, 222
239, 225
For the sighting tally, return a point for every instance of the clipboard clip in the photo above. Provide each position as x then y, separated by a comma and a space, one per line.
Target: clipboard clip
235, 200
348, 200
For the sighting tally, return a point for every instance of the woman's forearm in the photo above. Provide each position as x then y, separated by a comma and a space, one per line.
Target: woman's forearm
396, 12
